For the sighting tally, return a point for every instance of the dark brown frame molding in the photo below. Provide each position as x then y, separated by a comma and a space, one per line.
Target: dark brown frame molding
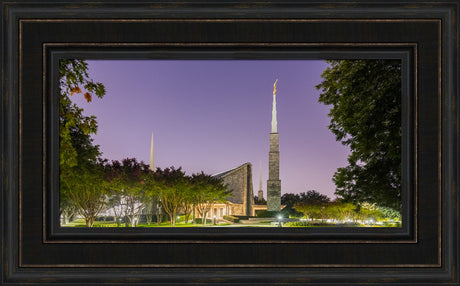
424, 35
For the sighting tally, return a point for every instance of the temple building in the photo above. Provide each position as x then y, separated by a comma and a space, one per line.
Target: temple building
239, 180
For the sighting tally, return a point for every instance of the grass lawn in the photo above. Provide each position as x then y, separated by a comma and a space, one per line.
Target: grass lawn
81, 223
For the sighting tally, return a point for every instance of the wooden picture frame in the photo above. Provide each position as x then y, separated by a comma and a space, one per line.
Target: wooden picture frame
424, 35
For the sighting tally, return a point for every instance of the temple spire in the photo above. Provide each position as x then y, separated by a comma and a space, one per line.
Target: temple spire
274, 122
274, 182
152, 161
260, 176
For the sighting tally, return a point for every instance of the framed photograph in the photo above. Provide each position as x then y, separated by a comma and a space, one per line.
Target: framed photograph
229, 143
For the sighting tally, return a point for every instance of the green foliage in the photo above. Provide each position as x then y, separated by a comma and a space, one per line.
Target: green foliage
206, 191
173, 187
343, 211
297, 224
130, 182
271, 214
313, 211
311, 197
259, 201
201, 221
74, 127
390, 214
78, 154
231, 218
366, 116
87, 191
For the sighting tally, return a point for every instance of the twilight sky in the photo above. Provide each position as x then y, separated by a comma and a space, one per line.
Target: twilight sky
214, 115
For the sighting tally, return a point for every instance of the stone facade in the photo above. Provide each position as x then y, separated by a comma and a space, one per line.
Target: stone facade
273, 182
239, 180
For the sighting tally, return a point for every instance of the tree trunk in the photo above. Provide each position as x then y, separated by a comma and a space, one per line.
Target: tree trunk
186, 217
159, 218
149, 218
193, 215
203, 218
173, 218
89, 221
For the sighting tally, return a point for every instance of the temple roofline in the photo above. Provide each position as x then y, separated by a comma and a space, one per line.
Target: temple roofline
221, 174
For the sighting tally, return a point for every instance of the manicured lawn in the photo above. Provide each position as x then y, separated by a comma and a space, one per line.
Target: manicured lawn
81, 223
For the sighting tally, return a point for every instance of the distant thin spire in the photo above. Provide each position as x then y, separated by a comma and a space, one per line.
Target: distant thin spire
274, 122
260, 176
152, 161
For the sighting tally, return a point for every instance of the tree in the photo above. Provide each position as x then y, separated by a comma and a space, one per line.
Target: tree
114, 202
260, 201
208, 190
88, 191
128, 181
341, 211
153, 208
313, 211
289, 200
173, 185
188, 203
296, 204
366, 116
313, 197
76, 148
74, 125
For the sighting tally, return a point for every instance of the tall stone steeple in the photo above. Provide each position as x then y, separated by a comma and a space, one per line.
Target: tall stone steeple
274, 182
152, 158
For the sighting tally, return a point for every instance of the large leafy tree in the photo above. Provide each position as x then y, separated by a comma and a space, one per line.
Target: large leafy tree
311, 203
77, 152
173, 186
75, 128
152, 208
207, 191
130, 182
153, 205
87, 190
313, 197
366, 116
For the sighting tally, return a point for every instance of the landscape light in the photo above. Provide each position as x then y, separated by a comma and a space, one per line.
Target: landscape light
279, 220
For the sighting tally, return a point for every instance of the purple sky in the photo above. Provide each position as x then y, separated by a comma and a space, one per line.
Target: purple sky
215, 115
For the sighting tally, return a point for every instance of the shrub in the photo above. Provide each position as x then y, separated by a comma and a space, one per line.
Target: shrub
231, 218
242, 216
270, 214
297, 223
199, 221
